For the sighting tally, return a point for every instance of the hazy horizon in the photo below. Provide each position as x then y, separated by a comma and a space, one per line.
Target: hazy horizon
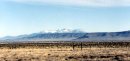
30, 16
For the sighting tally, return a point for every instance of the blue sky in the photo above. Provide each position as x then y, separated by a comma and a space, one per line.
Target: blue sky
29, 16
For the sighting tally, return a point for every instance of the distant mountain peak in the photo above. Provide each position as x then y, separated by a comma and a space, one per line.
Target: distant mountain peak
64, 30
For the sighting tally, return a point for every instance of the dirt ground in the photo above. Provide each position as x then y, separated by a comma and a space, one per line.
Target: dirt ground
65, 54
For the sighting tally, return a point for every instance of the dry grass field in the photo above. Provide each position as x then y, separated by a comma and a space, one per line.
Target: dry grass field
63, 53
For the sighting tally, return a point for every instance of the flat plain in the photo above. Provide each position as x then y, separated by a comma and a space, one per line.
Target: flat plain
67, 51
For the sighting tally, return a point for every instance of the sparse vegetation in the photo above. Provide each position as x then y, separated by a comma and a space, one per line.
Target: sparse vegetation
65, 51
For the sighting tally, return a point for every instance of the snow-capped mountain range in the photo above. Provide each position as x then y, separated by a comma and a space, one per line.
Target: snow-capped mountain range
70, 35
63, 31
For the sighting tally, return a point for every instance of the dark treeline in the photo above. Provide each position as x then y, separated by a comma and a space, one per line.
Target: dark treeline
66, 44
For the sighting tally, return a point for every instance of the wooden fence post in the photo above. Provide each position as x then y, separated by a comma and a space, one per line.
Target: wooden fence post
73, 46
81, 46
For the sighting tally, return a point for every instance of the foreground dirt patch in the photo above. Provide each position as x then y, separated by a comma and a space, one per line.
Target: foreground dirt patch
65, 54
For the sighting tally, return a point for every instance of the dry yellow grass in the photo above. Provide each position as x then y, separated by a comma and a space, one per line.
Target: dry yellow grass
65, 54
